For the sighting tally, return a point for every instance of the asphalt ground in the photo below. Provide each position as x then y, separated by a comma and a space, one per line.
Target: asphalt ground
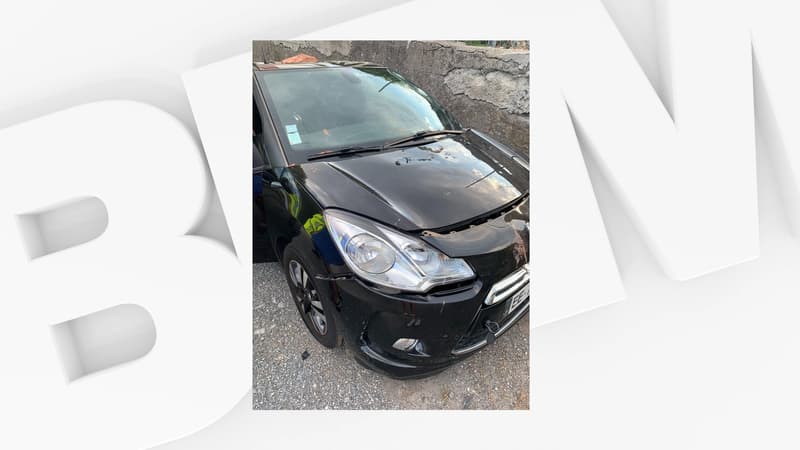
496, 377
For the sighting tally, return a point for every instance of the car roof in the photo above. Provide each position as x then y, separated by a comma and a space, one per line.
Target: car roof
262, 66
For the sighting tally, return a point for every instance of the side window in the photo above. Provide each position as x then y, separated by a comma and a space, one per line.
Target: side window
259, 151
257, 124
258, 160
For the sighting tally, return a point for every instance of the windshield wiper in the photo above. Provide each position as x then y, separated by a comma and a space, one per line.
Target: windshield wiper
345, 151
377, 148
422, 135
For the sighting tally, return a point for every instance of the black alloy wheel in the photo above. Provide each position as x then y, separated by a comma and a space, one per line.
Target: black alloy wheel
314, 310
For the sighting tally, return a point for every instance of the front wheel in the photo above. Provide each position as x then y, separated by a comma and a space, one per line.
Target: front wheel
308, 299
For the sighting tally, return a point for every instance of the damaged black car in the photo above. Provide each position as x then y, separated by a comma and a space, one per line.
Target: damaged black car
401, 233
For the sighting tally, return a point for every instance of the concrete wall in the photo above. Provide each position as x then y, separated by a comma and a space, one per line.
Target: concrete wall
485, 88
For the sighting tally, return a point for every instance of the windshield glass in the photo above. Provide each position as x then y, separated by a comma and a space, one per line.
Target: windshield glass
324, 109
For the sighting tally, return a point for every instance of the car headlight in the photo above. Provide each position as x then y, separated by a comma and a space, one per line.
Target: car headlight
390, 258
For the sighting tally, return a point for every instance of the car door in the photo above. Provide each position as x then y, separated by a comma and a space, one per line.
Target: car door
263, 203
275, 198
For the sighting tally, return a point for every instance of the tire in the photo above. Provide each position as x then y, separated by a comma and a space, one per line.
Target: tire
315, 310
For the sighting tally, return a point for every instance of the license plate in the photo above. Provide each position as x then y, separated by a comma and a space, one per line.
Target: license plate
518, 298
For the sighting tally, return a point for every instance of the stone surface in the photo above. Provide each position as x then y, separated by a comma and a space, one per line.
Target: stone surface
484, 88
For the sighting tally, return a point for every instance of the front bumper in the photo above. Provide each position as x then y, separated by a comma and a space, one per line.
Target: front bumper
451, 324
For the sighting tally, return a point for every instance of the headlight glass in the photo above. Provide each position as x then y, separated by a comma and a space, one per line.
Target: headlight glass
391, 258
370, 254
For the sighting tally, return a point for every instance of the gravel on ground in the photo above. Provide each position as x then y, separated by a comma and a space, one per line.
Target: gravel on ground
292, 371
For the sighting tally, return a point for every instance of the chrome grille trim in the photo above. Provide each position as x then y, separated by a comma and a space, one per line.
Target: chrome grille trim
508, 286
483, 342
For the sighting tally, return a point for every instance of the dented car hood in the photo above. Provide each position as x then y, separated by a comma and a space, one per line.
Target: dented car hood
434, 186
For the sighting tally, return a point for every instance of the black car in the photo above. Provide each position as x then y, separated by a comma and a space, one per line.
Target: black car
400, 232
